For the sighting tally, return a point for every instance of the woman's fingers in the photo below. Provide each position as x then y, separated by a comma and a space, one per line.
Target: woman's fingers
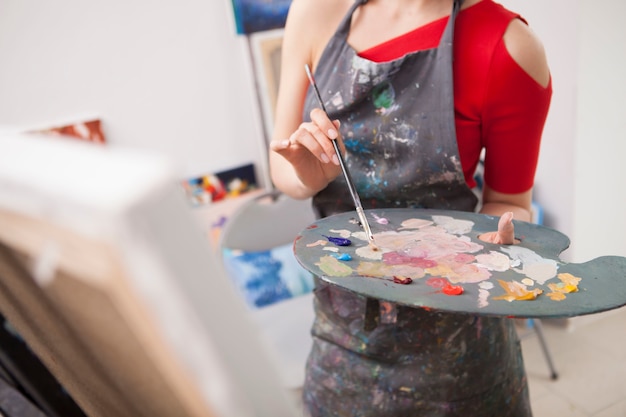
321, 120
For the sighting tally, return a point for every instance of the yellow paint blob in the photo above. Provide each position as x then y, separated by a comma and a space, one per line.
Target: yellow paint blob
568, 284
516, 291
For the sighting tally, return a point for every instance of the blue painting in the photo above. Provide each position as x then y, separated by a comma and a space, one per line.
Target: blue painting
260, 15
267, 277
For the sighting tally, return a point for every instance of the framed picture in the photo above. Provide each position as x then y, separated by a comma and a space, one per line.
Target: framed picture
266, 55
259, 15
88, 130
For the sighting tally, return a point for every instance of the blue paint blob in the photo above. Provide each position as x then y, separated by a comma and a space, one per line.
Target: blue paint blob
342, 256
339, 241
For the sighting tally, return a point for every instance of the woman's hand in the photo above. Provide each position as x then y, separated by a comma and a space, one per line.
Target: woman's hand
505, 234
310, 151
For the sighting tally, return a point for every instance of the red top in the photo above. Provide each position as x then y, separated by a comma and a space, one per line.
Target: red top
497, 105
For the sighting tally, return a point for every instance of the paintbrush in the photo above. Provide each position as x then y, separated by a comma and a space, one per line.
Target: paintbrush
342, 163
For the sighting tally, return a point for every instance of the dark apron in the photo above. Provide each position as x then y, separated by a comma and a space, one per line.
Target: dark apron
372, 358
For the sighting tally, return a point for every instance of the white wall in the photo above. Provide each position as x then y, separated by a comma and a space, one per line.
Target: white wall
173, 76
165, 75
581, 175
600, 199
554, 187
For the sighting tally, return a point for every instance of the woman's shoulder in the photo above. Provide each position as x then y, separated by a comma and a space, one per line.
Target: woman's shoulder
492, 25
311, 23
527, 50
319, 12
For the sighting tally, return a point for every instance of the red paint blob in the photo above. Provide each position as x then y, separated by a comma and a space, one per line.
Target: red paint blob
444, 284
402, 280
450, 289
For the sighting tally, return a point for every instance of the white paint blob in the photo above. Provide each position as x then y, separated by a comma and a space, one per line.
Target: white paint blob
454, 226
494, 261
533, 265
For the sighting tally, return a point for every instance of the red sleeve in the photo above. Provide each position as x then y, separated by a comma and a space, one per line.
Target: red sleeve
514, 113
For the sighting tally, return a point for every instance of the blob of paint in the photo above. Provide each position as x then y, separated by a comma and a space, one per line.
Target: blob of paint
331, 266
568, 284
450, 289
380, 220
436, 282
343, 256
445, 286
516, 291
397, 258
341, 232
339, 241
399, 279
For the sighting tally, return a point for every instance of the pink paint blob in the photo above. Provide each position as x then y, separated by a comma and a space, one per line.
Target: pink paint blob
396, 258
380, 220
464, 258
437, 282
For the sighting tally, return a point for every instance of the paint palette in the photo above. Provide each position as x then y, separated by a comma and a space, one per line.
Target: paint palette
435, 259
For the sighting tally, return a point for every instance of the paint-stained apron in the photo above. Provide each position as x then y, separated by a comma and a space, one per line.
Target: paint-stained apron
372, 358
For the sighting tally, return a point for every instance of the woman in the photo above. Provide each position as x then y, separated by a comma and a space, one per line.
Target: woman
415, 90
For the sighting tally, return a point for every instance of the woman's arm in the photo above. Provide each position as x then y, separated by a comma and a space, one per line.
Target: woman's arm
302, 157
528, 52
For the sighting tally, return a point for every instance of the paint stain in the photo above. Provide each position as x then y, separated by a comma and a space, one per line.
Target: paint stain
342, 233
339, 241
532, 265
568, 284
483, 297
317, 243
516, 291
333, 267
367, 252
436, 282
415, 223
380, 220
459, 273
494, 261
454, 226
396, 258
383, 96
380, 270
486, 285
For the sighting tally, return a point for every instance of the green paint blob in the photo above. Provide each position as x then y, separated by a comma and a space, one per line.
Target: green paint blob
331, 266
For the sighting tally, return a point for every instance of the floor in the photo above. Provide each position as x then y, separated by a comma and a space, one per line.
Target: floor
589, 354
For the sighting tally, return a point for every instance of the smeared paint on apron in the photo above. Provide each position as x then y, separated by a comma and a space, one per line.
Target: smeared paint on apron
372, 358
